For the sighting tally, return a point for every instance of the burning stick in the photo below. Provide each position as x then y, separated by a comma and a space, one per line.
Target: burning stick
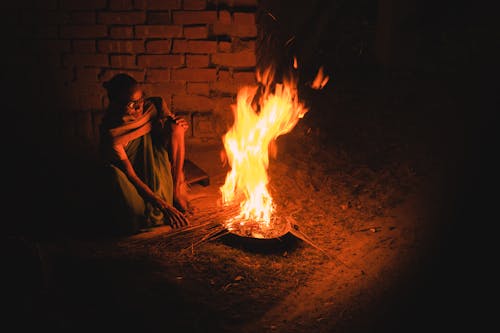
272, 16
294, 230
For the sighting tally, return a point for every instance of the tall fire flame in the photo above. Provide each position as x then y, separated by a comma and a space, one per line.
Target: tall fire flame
261, 114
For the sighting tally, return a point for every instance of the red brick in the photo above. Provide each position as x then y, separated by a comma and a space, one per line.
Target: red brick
184, 17
158, 75
240, 59
83, 4
239, 3
199, 32
244, 18
248, 45
224, 75
239, 45
121, 17
164, 89
224, 47
201, 46
234, 30
109, 73
192, 103
122, 61
121, 32
197, 61
224, 17
160, 61
194, 4
157, 4
159, 18
121, 5
204, 125
86, 59
159, 31
87, 74
180, 46
229, 87
224, 87
83, 17
198, 88
84, 31
120, 46
245, 3
84, 46
194, 75
245, 77
223, 104
159, 46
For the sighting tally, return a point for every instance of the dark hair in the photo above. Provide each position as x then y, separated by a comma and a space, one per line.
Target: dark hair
119, 86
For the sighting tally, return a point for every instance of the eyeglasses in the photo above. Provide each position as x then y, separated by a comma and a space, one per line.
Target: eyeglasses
135, 104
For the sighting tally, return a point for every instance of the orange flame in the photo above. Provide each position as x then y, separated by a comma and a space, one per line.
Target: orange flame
249, 141
320, 80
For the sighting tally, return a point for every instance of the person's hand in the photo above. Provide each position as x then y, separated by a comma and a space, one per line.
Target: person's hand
180, 121
176, 218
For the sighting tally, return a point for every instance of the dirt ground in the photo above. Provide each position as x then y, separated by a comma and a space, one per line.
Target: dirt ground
368, 182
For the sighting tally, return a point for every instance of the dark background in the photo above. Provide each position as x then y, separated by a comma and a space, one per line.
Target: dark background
448, 42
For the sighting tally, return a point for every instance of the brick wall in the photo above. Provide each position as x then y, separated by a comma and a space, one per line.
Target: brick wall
194, 53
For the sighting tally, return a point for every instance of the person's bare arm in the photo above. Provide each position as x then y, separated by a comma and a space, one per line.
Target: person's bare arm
166, 116
178, 219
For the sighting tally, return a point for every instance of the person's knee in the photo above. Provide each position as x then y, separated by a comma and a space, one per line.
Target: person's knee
178, 131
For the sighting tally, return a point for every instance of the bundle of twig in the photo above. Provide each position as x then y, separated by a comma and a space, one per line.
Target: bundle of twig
203, 227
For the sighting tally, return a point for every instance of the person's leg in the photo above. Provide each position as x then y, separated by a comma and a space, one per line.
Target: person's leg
125, 204
178, 154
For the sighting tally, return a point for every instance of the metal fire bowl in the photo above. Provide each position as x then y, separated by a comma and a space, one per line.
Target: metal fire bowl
285, 241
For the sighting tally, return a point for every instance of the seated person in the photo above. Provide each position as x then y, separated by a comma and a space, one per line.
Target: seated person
142, 145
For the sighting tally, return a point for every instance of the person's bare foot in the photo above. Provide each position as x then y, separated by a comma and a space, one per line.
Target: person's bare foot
181, 198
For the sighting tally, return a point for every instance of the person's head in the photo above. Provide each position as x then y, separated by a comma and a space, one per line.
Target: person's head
124, 93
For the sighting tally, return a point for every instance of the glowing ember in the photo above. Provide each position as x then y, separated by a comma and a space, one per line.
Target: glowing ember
247, 145
320, 80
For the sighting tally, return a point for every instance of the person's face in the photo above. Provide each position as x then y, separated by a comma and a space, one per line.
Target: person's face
135, 102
